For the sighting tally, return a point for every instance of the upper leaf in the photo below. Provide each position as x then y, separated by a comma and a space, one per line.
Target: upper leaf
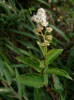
52, 54
33, 80
58, 71
30, 62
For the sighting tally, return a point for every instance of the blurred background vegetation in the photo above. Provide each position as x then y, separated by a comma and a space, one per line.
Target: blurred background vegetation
16, 36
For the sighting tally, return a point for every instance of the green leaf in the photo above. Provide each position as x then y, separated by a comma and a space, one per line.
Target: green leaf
9, 68
61, 33
70, 59
20, 86
31, 22
29, 45
30, 62
59, 72
29, 54
1, 68
7, 76
5, 73
22, 33
4, 57
19, 66
43, 2
33, 80
52, 55
12, 47
5, 8
57, 83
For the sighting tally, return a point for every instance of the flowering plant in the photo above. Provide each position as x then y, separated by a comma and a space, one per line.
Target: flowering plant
39, 78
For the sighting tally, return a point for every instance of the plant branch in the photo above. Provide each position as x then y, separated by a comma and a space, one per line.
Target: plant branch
50, 92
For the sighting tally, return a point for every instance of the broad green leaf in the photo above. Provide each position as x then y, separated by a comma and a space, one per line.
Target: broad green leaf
33, 80
58, 71
52, 55
30, 62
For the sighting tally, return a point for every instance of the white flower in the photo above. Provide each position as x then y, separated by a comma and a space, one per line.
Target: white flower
41, 13
40, 17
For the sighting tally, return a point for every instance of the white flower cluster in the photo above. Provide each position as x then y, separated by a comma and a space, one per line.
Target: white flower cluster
40, 17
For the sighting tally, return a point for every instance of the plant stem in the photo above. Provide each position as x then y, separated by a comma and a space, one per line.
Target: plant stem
25, 97
50, 92
45, 55
45, 51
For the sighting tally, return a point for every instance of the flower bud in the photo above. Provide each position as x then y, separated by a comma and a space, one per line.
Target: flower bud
49, 37
49, 29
